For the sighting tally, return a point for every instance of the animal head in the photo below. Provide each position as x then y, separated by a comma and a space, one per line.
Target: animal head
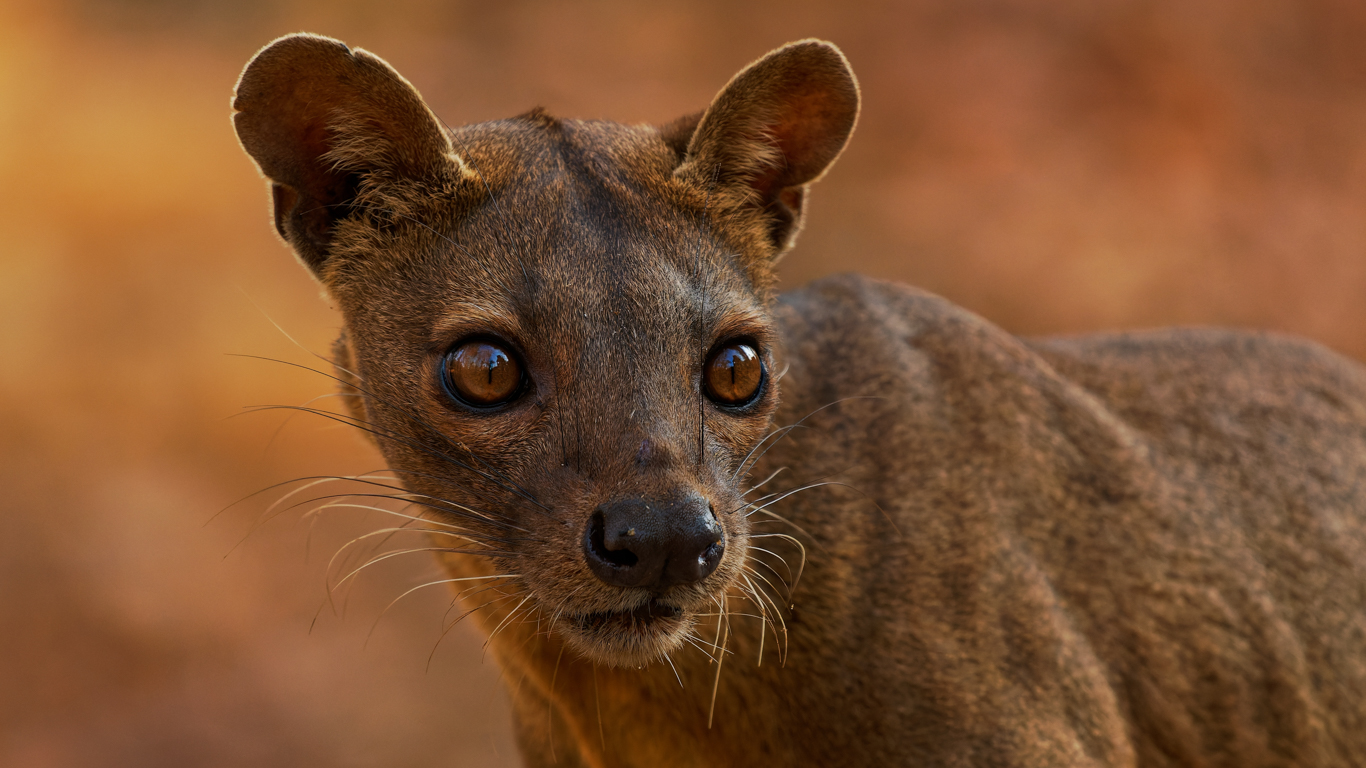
557, 332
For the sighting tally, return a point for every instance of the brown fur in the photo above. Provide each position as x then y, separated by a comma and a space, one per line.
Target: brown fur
1130, 550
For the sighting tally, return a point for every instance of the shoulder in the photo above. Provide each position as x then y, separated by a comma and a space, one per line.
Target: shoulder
879, 329
896, 358
854, 314
852, 298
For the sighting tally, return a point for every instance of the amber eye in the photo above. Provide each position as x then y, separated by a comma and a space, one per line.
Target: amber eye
482, 373
733, 374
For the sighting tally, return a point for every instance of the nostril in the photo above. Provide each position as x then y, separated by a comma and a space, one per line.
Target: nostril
695, 550
651, 543
597, 543
710, 558
711, 555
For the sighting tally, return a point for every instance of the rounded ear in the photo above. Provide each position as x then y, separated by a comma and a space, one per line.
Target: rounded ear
776, 127
319, 119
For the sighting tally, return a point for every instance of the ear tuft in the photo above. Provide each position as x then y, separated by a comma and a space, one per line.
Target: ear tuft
319, 119
776, 127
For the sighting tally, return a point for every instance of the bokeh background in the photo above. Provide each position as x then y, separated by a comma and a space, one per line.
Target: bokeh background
1056, 166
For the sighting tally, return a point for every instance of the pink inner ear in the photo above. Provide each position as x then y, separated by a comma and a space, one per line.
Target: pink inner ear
808, 132
808, 136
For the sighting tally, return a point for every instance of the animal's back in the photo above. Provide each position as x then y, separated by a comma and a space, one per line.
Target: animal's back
1142, 547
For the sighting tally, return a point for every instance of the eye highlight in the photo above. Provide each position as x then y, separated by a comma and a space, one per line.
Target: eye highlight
733, 374
482, 373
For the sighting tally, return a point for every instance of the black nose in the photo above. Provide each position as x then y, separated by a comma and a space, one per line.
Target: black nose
653, 543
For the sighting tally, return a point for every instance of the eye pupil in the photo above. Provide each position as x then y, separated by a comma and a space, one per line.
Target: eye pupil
733, 374
482, 373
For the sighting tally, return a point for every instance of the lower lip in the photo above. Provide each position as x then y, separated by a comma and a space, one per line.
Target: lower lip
649, 619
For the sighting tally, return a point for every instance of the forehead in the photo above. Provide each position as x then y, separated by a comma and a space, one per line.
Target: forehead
552, 190
566, 221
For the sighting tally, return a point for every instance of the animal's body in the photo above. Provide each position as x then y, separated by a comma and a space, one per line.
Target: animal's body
1128, 550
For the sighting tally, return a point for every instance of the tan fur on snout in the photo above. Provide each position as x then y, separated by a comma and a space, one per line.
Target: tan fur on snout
944, 545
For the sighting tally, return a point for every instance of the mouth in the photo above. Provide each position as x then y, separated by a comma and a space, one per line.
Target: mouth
630, 637
645, 618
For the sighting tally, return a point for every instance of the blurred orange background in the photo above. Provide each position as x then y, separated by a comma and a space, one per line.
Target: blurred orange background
1057, 167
